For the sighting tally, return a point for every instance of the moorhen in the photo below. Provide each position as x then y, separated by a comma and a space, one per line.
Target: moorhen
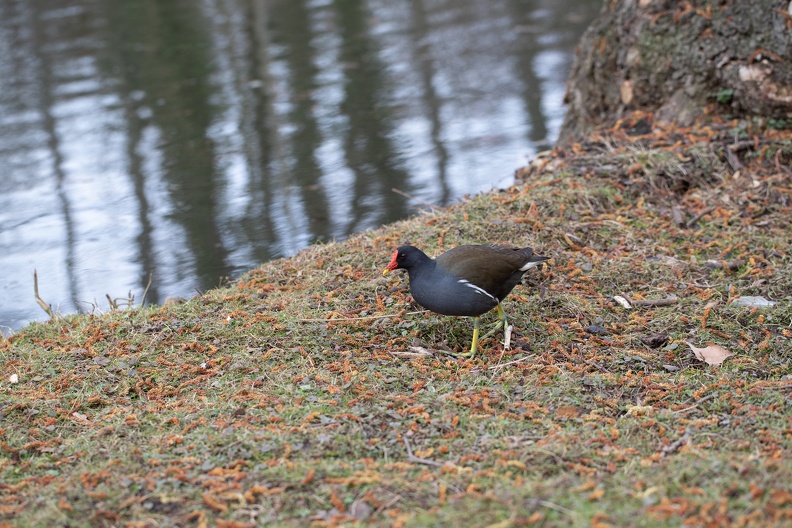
467, 280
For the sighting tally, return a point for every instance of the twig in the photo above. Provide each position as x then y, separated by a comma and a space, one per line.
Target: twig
507, 338
113, 304
746, 144
668, 301
779, 166
596, 366
411, 197
418, 460
557, 458
387, 505
707, 286
417, 352
509, 363
515, 440
783, 386
145, 292
552, 506
690, 223
307, 356
507, 332
697, 403
357, 318
733, 160
722, 264
44, 306
570, 356
622, 301
335, 319
672, 448
573, 240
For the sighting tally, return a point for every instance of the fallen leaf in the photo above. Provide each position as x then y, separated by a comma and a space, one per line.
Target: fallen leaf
211, 500
621, 300
308, 477
336, 501
597, 494
712, 354
359, 510
626, 91
568, 411
655, 340
781, 497
753, 302
639, 410
79, 417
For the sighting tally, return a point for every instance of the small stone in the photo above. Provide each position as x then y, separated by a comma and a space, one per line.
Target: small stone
359, 510
596, 329
655, 340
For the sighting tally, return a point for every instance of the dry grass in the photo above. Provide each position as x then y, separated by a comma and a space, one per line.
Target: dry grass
284, 399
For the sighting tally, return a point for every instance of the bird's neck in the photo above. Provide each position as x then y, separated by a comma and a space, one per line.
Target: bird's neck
425, 269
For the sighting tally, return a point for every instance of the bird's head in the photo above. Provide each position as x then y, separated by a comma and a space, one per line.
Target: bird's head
404, 258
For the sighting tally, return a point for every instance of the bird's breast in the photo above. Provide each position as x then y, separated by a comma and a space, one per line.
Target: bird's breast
451, 296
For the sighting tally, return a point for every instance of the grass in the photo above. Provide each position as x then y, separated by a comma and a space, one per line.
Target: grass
290, 398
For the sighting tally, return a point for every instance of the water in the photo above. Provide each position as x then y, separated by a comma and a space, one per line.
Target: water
185, 141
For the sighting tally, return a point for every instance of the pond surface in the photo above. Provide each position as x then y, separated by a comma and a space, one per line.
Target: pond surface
183, 141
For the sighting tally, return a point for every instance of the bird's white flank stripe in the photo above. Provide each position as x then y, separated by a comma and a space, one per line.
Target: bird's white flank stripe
478, 290
530, 265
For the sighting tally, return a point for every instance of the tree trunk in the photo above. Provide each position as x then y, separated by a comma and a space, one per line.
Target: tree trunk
681, 60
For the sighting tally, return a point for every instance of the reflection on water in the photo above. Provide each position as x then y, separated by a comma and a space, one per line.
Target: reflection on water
193, 140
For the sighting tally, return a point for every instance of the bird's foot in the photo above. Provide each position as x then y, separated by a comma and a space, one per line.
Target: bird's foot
500, 324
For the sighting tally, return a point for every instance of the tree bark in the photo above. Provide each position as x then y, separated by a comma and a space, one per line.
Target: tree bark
682, 60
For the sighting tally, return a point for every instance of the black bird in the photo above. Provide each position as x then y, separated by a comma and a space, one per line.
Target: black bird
467, 280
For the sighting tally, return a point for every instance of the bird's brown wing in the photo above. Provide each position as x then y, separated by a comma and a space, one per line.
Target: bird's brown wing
488, 267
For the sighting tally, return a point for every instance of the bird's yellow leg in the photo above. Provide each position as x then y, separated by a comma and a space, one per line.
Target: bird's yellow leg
474, 344
502, 323
476, 329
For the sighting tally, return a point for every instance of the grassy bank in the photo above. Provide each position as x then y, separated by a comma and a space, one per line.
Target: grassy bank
313, 391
